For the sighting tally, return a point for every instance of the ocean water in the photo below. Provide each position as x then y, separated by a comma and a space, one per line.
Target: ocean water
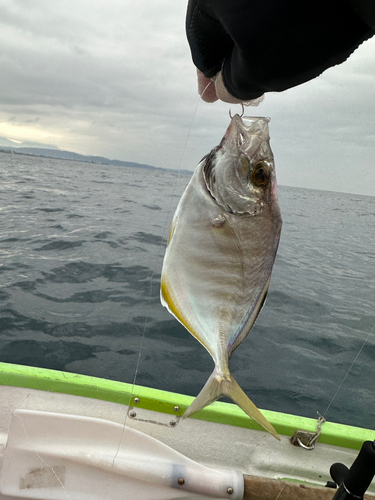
81, 250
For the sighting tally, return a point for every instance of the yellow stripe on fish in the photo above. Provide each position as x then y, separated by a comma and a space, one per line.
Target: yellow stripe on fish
170, 304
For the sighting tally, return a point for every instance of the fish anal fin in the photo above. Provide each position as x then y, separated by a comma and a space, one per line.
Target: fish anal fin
249, 323
217, 386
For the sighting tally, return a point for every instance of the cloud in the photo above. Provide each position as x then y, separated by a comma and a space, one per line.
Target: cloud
115, 79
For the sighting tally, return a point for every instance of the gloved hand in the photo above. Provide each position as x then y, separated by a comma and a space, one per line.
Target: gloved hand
250, 47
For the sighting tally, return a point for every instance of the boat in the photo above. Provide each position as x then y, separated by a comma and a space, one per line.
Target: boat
69, 436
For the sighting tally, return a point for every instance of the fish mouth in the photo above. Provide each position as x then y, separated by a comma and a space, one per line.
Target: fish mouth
245, 133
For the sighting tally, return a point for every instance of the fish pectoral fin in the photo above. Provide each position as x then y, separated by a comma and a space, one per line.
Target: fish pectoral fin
217, 386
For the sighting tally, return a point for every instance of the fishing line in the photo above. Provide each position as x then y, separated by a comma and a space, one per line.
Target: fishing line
284, 485
334, 396
350, 368
154, 267
48, 466
165, 230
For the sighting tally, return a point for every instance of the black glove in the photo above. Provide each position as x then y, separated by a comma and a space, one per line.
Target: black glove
271, 45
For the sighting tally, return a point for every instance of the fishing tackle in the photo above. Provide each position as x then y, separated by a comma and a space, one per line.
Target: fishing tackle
354, 482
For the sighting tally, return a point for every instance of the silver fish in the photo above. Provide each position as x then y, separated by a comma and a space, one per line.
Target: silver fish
220, 253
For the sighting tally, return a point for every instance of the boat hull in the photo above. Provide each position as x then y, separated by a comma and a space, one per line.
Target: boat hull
220, 436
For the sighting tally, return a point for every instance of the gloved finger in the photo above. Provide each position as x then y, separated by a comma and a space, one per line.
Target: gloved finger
209, 42
222, 92
206, 88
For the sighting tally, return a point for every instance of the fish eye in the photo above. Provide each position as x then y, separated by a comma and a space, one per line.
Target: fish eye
261, 175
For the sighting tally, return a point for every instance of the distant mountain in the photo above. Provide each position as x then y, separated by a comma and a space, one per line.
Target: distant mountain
9, 143
68, 155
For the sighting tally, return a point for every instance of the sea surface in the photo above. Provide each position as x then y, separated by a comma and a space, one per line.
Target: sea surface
81, 250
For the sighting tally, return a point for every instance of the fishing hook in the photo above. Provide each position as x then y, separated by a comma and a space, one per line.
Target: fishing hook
242, 113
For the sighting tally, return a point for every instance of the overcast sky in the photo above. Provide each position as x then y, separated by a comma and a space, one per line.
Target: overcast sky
115, 79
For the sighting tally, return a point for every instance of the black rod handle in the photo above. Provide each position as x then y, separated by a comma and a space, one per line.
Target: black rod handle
354, 482
362, 472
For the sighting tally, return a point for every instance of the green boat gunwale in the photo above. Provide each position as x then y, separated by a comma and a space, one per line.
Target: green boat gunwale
165, 402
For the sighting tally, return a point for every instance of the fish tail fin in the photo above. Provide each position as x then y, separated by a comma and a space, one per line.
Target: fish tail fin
217, 386
210, 393
234, 392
